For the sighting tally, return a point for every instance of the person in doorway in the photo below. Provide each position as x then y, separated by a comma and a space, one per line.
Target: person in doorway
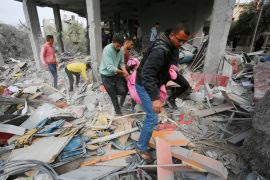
154, 32
114, 73
48, 58
259, 43
128, 45
152, 73
77, 69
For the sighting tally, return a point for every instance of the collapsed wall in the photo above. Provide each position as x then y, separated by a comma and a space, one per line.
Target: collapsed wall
256, 149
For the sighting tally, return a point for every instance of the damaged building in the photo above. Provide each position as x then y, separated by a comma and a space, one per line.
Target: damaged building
213, 134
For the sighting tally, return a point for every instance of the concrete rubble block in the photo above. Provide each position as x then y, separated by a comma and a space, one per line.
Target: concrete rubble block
199, 161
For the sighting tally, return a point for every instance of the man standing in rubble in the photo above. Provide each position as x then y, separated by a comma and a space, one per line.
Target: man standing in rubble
48, 58
154, 33
152, 74
113, 72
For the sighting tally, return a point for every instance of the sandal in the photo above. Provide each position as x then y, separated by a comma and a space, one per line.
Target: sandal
144, 155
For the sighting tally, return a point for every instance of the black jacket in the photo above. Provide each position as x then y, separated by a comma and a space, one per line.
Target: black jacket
153, 71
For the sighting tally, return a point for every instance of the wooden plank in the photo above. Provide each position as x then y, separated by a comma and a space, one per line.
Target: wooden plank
199, 161
108, 157
174, 138
164, 156
241, 136
214, 110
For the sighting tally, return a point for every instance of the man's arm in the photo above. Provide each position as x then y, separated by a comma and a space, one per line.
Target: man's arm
42, 55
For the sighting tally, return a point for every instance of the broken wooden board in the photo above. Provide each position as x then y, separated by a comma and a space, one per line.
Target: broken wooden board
214, 110
108, 157
196, 160
164, 156
241, 136
89, 173
174, 138
11, 129
44, 149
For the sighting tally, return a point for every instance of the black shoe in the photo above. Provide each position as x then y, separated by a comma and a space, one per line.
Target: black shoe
171, 103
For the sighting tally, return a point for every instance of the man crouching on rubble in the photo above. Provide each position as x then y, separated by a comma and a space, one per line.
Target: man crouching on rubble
113, 72
48, 58
152, 74
77, 69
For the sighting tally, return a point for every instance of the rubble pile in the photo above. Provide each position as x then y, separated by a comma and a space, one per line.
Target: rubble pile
75, 135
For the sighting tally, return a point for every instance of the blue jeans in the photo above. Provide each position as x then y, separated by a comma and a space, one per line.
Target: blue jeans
53, 70
150, 121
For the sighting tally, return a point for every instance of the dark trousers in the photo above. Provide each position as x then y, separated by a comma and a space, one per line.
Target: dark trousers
175, 92
115, 85
71, 79
53, 70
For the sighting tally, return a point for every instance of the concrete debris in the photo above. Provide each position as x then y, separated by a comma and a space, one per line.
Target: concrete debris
201, 138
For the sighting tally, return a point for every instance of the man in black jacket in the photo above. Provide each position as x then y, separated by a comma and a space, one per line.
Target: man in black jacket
152, 73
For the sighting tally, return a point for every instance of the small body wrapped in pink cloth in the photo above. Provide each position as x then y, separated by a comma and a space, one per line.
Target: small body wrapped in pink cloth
134, 63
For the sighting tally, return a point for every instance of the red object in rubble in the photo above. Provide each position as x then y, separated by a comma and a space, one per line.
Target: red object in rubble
167, 126
235, 66
184, 119
4, 138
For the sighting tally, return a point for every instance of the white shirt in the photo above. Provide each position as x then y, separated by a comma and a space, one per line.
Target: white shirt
153, 35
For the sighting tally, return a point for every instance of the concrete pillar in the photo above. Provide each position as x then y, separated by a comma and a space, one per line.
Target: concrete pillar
94, 30
1, 60
31, 17
219, 29
199, 37
58, 26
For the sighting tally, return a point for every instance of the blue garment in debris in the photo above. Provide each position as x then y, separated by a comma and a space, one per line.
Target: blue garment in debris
52, 127
75, 147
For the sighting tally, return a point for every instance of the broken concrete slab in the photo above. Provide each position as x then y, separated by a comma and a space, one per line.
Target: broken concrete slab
11, 129
241, 136
43, 112
55, 97
214, 110
199, 161
89, 173
44, 149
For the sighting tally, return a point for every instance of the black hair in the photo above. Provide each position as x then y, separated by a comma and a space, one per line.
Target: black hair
128, 39
88, 66
118, 38
179, 27
157, 24
48, 37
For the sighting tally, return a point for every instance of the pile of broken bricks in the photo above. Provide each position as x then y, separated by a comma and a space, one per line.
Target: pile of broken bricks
77, 135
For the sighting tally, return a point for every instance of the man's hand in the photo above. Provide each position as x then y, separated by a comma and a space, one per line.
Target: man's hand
157, 106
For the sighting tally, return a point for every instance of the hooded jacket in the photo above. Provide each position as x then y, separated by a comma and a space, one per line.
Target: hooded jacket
153, 71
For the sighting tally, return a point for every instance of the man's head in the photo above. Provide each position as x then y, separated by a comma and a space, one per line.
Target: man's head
129, 44
49, 39
118, 41
157, 25
178, 35
88, 66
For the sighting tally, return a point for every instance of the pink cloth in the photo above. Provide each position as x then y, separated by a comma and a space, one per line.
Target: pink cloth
133, 92
172, 71
47, 54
